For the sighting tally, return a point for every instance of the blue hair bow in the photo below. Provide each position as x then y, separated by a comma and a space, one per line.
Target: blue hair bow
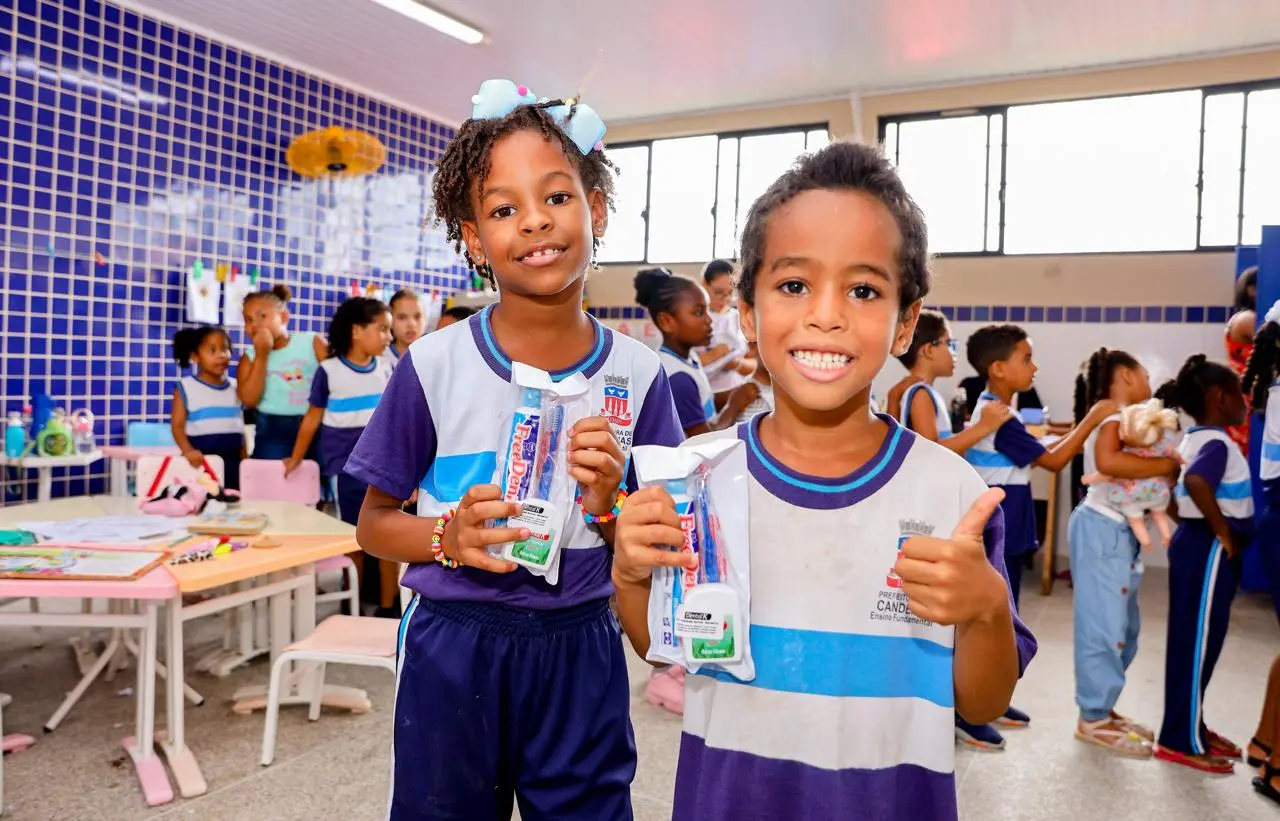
498, 98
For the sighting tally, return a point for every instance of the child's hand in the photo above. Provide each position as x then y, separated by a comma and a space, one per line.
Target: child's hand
263, 340
1099, 412
290, 465
596, 463
1228, 542
467, 535
647, 525
194, 457
743, 395
950, 581
994, 414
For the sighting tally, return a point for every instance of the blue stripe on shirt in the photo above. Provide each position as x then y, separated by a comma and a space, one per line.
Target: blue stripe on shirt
348, 404
1271, 451
848, 665
1226, 490
988, 459
201, 414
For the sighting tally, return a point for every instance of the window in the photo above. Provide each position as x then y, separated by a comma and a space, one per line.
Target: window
686, 199
1166, 171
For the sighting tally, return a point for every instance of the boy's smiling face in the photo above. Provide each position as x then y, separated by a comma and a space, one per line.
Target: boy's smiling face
826, 313
534, 220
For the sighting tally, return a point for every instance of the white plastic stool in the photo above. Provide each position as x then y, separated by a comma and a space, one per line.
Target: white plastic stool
358, 640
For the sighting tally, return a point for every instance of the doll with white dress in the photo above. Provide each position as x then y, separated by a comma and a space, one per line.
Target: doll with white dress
1147, 429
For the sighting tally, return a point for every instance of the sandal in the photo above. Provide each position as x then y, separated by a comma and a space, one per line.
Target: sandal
1253, 760
1262, 784
1208, 763
1134, 727
1223, 747
1113, 736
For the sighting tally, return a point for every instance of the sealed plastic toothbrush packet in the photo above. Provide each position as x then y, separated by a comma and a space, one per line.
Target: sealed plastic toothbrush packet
533, 465
702, 617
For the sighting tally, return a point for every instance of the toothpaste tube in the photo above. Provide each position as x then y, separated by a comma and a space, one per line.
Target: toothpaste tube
683, 579
522, 450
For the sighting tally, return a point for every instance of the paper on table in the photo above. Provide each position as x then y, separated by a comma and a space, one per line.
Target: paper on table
108, 529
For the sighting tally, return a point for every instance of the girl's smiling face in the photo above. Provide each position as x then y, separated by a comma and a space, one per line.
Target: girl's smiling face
534, 220
826, 311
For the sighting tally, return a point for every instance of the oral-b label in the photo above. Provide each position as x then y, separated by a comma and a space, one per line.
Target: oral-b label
522, 456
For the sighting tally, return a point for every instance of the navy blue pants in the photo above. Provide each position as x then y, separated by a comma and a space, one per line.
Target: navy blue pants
1268, 542
1202, 585
496, 704
348, 493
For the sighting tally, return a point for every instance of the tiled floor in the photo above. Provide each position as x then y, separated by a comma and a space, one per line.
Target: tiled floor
337, 767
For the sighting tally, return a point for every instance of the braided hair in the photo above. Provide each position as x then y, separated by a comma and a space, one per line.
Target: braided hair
658, 290
1264, 365
1189, 389
466, 163
1093, 383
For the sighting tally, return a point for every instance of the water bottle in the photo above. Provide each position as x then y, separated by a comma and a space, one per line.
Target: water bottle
15, 436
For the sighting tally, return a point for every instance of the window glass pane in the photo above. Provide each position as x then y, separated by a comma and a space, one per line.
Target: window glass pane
624, 239
761, 160
1262, 165
943, 164
817, 140
726, 200
1220, 201
1103, 175
681, 193
995, 165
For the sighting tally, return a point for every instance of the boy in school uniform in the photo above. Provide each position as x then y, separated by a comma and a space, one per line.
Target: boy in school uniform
1002, 354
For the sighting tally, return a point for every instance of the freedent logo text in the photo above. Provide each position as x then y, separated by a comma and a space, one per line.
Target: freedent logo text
520, 459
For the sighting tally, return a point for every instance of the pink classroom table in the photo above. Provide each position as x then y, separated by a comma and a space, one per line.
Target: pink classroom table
122, 456
148, 593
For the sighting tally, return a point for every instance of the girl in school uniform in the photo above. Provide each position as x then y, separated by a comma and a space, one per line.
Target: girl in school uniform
275, 374
1215, 508
346, 389
206, 417
406, 324
678, 306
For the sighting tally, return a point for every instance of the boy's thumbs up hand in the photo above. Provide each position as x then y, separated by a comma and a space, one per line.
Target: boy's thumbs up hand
950, 581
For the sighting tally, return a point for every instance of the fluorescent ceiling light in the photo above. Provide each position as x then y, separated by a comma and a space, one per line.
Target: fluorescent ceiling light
438, 20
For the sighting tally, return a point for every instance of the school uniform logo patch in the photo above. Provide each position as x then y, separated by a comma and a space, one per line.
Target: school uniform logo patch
617, 400
891, 601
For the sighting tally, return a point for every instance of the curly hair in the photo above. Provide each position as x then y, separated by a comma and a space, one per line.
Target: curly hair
466, 162
358, 310
658, 290
842, 166
1189, 389
1093, 383
188, 340
1264, 365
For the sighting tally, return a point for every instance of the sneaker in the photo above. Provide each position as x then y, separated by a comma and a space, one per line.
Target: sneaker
982, 736
666, 689
1013, 717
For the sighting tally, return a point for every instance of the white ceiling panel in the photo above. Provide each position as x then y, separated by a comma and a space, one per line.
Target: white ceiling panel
647, 58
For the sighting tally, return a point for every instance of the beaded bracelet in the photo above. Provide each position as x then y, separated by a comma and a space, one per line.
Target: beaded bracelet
593, 519
437, 540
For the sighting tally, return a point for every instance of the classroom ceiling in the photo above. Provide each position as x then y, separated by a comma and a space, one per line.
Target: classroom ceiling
648, 58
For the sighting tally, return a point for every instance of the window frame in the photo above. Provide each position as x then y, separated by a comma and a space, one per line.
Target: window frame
801, 128
1206, 91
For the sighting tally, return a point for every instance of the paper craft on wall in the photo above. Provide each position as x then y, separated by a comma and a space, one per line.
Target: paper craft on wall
238, 286
203, 295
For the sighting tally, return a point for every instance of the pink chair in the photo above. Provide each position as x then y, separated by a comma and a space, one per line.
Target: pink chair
14, 743
360, 640
264, 480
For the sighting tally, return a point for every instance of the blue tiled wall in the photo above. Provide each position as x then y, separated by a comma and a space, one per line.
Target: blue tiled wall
129, 149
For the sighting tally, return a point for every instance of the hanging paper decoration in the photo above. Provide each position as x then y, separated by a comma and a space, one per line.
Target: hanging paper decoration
203, 296
236, 289
220, 272
99, 259
355, 288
